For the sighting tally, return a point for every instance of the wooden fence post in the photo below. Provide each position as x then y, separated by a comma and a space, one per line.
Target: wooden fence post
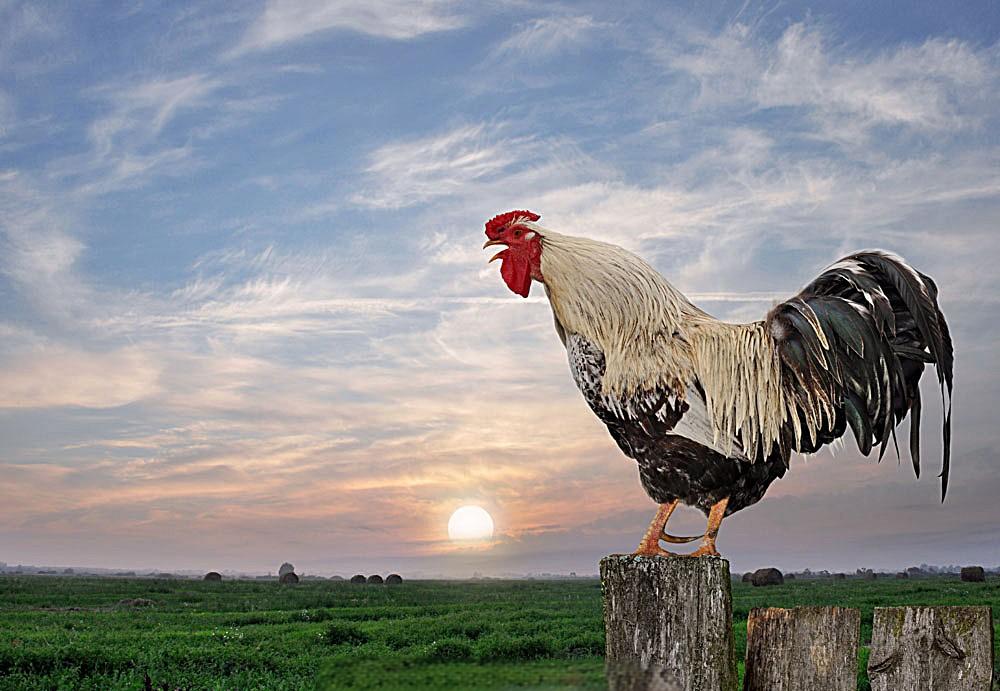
668, 623
931, 649
802, 649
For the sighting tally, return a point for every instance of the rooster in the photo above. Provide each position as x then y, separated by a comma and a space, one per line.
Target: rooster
711, 411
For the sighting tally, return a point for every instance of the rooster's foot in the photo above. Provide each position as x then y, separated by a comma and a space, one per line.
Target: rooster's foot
707, 549
653, 550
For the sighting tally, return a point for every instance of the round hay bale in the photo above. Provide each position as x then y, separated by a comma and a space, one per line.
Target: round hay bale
375, 579
289, 578
336, 578
840, 576
870, 575
790, 577
285, 568
770, 576
212, 576
902, 574
748, 577
358, 578
973, 574
393, 579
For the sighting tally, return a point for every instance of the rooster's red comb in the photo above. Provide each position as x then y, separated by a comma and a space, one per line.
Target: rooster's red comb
500, 220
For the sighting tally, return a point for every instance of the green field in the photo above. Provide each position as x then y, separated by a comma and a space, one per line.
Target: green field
72, 633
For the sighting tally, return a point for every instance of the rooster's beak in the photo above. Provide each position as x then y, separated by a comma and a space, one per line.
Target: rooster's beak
498, 255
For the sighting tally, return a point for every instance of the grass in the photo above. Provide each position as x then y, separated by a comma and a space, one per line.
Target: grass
71, 633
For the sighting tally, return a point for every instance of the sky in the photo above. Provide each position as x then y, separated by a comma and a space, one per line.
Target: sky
245, 317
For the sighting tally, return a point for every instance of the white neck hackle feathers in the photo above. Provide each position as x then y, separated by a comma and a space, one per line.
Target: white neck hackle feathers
622, 304
654, 337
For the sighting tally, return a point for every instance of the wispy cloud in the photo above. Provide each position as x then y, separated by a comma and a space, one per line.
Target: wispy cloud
37, 250
149, 127
143, 109
127, 143
286, 21
547, 36
412, 172
55, 377
6, 115
27, 34
938, 85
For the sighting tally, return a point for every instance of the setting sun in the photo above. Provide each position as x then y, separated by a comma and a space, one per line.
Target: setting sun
470, 523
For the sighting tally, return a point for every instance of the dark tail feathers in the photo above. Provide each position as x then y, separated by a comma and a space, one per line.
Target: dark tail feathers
919, 332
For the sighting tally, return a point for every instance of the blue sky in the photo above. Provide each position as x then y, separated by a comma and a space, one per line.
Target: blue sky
244, 316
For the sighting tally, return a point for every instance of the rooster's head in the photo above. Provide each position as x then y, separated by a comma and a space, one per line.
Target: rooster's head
522, 259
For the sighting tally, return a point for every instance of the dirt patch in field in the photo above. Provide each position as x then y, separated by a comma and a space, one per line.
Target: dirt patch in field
136, 602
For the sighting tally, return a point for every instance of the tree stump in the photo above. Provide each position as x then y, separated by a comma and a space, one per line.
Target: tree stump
668, 623
931, 649
802, 648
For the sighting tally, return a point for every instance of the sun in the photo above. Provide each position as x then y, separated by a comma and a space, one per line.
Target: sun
470, 523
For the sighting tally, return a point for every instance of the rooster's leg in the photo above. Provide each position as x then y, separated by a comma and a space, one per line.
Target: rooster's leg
650, 544
715, 516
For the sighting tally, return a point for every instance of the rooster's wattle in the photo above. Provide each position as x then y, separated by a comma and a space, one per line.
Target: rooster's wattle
712, 411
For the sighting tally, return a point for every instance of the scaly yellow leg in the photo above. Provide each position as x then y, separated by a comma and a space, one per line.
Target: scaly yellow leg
649, 546
715, 516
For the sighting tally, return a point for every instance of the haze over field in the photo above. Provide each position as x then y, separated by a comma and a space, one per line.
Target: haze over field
245, 317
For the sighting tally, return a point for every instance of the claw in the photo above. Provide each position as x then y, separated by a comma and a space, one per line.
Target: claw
676, 540
645, 550
706, 550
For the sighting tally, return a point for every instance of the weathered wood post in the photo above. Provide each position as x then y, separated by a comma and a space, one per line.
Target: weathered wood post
668, 623
931, 649
801, 649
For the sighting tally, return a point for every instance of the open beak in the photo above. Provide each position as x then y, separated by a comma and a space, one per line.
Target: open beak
499, 254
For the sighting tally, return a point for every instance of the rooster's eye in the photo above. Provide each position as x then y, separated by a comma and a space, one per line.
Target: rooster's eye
517, 233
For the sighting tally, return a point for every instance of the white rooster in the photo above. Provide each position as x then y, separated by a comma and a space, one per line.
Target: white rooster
712, 411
